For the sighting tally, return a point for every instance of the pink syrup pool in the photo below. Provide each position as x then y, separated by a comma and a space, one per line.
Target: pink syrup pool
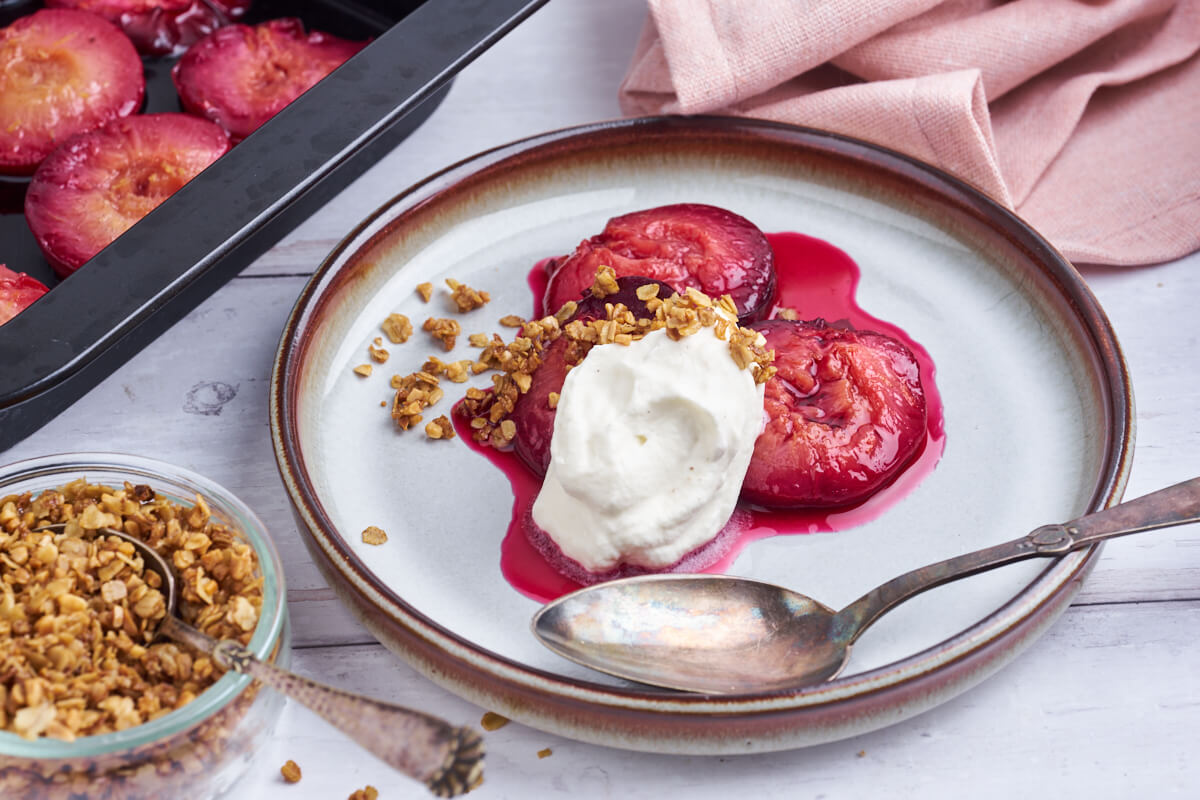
817, 280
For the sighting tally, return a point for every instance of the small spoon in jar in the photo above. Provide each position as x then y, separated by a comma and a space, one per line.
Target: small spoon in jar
717, 634
447, 759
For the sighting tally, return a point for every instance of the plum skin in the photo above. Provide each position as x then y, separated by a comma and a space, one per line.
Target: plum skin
686, 244
844, 414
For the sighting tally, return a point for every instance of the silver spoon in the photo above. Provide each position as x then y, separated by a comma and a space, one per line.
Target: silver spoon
447, 759
717, 634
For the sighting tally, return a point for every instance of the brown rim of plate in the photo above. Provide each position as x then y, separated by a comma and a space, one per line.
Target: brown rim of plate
660, 720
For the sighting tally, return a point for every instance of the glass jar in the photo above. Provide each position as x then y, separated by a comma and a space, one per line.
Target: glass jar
199, 749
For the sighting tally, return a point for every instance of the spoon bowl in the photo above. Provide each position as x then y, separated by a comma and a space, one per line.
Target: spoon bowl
719, 635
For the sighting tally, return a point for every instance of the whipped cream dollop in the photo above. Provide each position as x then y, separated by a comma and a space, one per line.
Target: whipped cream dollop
651, 442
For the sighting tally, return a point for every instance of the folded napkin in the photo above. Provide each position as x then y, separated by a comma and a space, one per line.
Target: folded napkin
1083, 116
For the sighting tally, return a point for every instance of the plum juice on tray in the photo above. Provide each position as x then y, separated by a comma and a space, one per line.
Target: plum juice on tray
747, 395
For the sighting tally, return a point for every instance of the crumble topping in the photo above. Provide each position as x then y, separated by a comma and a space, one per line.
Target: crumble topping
680, 315
373, 535
377, 351
290, 771
491, 721
444, 330
414, 393
440, 428
466, 298
425, 290
398, 328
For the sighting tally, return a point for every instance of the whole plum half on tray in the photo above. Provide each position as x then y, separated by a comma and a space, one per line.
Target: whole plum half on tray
241, 75
683, 245
17, 292
62, 72
532, 413
162, 27
845, 412
98, 184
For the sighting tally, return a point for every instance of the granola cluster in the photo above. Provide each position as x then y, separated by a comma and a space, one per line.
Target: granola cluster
680, 315
78, 609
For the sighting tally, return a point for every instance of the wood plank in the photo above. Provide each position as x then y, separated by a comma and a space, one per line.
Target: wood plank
1103, 706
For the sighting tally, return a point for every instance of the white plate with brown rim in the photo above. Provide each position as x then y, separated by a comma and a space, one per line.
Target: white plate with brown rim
1037, 405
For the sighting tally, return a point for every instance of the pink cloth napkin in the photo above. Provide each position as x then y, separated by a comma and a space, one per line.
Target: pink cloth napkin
1083, 116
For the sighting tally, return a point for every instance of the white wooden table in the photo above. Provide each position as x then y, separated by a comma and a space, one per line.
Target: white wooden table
1105, 705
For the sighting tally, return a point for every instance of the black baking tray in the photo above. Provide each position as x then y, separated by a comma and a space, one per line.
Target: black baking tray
213, 227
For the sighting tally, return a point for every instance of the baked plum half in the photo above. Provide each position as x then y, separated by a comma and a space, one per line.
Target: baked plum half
62, 72
241, 75
98, 184
709, 248
532, 413
162, 27
845, 412
17, 292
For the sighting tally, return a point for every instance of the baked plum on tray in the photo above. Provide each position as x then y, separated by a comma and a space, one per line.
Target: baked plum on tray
845, 412
533, 414
98, 184
241, 75
62, 72
17, 292
688, 244
162, 27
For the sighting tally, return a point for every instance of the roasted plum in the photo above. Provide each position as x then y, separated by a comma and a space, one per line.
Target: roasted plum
162, 27
532, 414
98, 184
844, 414
240, 76
705, 247
62, 72
17, 291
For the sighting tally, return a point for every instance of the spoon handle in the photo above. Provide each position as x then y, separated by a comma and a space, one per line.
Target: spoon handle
1175, 505
447, 759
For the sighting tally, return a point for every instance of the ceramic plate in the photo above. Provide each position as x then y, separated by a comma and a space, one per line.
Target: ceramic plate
1036, 401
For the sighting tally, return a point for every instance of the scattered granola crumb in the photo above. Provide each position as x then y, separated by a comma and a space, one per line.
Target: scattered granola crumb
512, 321
440, 428
363, 370
425, 290
290, 771
466, 298
478, 339
367, 793
492, 721
414, 393
545, 752
373, 535
378, 354
398, 328
788, 314
862, 753
444, 330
